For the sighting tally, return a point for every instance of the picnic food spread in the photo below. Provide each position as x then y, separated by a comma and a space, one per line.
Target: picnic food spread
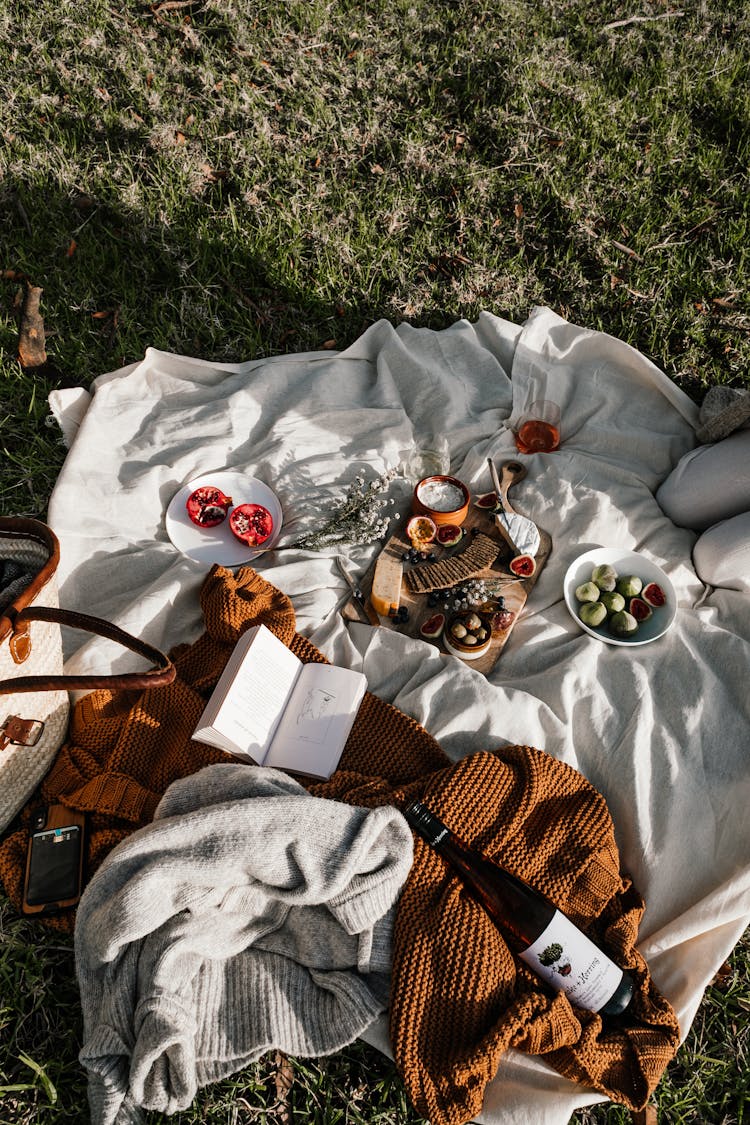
555, 687
433, 569
473, 615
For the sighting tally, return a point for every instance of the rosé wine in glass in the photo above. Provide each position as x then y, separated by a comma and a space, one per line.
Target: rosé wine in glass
539, 428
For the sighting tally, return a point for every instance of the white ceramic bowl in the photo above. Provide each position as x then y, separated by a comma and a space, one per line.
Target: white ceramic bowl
624, 562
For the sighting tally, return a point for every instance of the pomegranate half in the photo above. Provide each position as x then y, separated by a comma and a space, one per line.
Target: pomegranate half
207, 506
251, 523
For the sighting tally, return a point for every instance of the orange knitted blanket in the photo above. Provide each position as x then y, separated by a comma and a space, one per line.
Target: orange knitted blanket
458, 997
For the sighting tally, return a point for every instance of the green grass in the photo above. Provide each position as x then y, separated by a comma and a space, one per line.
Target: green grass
230, 179
41, 1082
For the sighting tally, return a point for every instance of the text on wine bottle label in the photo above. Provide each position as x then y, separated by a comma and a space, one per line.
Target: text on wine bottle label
566, 959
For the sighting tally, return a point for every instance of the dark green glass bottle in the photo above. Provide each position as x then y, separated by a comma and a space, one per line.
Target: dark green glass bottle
542, 936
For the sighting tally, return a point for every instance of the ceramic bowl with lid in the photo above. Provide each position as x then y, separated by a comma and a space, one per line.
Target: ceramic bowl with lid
467, 634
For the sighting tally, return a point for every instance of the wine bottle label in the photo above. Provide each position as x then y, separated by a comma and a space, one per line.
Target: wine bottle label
564, 957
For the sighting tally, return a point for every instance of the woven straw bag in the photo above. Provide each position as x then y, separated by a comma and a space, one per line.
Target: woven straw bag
34, 702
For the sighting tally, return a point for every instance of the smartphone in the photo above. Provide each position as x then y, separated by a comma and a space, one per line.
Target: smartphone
54, 860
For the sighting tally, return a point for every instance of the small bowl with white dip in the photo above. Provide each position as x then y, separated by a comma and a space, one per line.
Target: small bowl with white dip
444, 499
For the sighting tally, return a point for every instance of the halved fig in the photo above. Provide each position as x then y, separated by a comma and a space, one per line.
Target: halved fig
654, 595
251, 523
448, 534
522, 565
640, 610
488, 501
433, 626
207, 506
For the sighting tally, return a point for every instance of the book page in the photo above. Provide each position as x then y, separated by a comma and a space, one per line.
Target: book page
255, 699
319, 715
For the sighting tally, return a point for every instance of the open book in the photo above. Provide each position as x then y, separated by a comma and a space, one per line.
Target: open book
271, 709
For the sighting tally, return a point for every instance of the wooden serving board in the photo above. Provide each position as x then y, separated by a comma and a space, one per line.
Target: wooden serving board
515, 591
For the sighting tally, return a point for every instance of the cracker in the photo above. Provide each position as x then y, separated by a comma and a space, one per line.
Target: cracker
436, 576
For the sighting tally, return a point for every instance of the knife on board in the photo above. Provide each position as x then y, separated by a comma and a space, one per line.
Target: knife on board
521, 534
365, 610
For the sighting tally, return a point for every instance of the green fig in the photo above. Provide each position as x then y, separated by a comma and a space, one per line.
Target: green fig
592, 614
629, 585
587, 592
612, 601
622, 624
604, 576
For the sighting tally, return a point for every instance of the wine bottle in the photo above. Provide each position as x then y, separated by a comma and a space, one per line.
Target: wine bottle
544, 938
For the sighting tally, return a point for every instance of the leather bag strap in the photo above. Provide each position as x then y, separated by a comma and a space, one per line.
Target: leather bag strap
163, 673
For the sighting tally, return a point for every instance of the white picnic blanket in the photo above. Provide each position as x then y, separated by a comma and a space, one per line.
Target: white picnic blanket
661, 730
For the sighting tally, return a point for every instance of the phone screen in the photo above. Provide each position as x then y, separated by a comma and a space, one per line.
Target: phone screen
54, 865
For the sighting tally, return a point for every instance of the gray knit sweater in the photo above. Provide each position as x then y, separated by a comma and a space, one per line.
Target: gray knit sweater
248, 916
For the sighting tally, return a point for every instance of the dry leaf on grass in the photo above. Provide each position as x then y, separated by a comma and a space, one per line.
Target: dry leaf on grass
32, 351
283, 1081
627, 250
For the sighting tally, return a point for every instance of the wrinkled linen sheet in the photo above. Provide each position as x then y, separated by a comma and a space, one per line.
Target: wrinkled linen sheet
661, 730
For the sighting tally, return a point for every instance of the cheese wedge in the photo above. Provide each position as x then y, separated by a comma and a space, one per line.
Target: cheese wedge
386, 584
518, 532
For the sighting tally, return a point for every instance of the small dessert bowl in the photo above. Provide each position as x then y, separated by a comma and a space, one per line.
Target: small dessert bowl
444, 499
467, 634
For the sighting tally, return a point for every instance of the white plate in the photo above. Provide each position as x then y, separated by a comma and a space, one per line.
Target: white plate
218, 544
624, 562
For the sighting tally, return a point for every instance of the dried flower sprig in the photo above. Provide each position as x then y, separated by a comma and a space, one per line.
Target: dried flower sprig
360, 518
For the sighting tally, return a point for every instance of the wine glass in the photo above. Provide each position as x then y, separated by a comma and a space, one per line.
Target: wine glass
538, 430
426, 458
